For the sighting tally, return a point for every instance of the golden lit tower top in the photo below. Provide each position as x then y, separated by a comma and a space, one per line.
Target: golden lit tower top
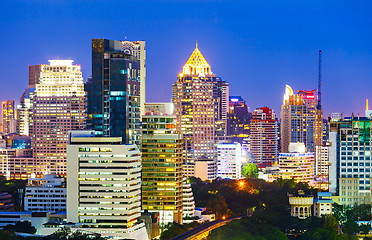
196, 64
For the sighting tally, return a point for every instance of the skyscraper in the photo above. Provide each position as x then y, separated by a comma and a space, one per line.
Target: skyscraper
264, 137
116, 90
200, 100
238, 119
8, 117
162, 176
299, 119
59, 106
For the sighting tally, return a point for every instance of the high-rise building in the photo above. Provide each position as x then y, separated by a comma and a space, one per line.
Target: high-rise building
299, 122
297, 164
264, 137
238, 119
25, 112
201, 103
229, 161
59, 106
104, 186
116, 90
8, 117
350, 159
162, 176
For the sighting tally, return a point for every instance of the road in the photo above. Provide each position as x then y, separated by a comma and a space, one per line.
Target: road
203, 230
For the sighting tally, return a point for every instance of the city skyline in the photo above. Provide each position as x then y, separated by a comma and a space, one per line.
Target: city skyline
254, 59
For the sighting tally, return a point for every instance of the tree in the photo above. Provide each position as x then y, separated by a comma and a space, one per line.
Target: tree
364, 229
60, 234
250, 170
330, 223
217, 204
350, 227
23, 227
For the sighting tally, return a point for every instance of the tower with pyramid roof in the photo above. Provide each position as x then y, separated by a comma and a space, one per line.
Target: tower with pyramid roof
201, 105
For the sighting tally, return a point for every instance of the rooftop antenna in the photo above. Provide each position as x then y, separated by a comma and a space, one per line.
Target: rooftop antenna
319, 107
367, 104
196, 43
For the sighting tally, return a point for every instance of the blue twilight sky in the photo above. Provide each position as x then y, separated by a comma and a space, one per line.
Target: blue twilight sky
257, 46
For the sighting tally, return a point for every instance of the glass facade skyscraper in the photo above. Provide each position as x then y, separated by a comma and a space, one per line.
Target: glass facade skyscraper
114, 89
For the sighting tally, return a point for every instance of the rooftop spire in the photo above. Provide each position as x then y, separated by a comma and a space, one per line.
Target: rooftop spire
196, 63
367, 104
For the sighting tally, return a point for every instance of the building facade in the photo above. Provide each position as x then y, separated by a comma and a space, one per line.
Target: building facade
264, 137
297, 164
25, 113
59, 107
321, 163
350, 159
238, 119
8, 117
162, 176
116, 89
201, 106
299, 120
17, 163
46, 194
229, 161
104, 186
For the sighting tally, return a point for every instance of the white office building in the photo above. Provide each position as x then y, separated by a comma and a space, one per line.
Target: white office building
229, 161
104, 186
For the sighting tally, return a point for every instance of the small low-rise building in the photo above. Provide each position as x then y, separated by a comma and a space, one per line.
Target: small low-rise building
204, 215
46, 194
300, 205
323, 204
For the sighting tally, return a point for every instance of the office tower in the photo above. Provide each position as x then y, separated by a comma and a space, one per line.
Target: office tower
350, 159
200, 100
229, 161
25, 112
297, 164
116, 90
47, 194
8, 117
59, 106
299, 119
161, 163
264, 137
238, 119
104, 186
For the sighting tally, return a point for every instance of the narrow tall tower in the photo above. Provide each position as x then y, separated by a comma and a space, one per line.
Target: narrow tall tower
319, 107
